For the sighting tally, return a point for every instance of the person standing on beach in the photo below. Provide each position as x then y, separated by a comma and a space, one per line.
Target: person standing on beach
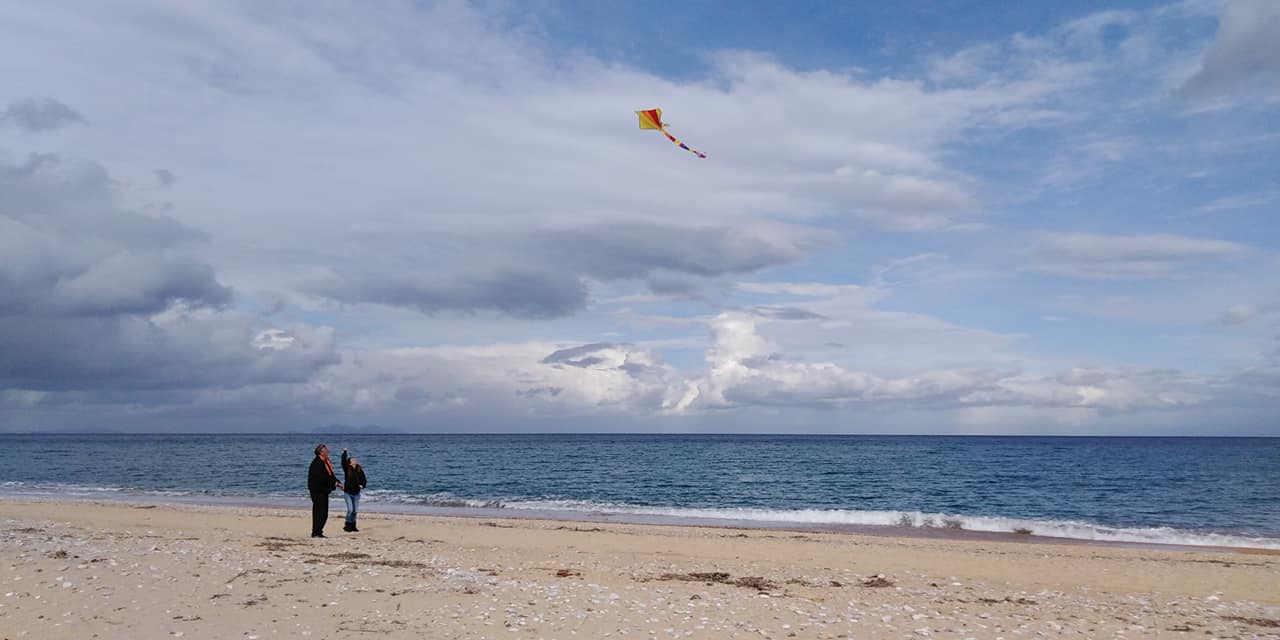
320, 481
353, 481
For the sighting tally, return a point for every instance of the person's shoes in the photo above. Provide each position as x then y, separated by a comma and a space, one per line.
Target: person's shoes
348, 528
319, 535
353, 528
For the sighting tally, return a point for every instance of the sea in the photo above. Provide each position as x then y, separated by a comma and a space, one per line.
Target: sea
1222, 492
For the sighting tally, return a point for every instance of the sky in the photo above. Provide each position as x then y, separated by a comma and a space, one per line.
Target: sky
942, 217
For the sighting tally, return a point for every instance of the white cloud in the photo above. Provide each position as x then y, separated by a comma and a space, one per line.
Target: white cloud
747, 370
1244, 54
503, 380
1239, 313
1245, 312
1238, 201
1123, 257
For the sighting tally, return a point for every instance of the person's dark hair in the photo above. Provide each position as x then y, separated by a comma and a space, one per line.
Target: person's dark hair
319, 447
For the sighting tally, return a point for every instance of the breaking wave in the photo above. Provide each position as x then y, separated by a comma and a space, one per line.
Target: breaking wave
1069, 529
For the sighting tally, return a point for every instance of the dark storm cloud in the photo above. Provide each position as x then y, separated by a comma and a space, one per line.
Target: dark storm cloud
95, 299
592, 356
76, 199
544, 273
667, 285
633, 250
785, 313
582, 356
131, 284
69, 251
40, 114
134, 352
55, 281
530, 293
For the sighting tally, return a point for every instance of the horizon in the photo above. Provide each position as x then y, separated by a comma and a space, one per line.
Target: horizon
633, 433
930, 218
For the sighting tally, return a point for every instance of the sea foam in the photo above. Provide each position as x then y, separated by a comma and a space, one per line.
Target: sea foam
1069, 529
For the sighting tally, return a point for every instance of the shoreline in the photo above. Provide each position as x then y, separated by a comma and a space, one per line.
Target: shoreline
890, 531
115, 569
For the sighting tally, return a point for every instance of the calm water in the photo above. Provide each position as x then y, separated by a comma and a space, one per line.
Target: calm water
1175, 490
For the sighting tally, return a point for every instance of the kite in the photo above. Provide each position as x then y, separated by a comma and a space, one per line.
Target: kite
652, 119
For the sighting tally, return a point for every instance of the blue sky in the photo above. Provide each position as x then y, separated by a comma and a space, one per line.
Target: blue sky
916, 217
883, 38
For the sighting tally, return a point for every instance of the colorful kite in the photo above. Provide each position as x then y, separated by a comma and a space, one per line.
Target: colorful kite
652, 119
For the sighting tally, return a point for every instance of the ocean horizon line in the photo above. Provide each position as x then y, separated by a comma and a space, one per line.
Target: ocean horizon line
643, 433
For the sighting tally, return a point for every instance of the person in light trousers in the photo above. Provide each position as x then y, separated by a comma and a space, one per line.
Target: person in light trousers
353, 481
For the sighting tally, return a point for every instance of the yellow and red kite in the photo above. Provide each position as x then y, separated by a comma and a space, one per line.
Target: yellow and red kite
652, 119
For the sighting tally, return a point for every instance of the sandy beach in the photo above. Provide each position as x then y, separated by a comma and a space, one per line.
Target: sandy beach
109, 570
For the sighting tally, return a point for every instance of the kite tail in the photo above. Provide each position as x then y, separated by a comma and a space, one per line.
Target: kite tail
683, 145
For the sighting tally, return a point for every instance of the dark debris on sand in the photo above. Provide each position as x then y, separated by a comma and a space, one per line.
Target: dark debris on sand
1257, 622
719, 577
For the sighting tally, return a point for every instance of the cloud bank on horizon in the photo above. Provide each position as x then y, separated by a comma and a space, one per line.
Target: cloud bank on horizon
440, 216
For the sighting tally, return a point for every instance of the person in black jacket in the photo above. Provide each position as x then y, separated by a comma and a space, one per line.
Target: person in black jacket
353, 481
320, 481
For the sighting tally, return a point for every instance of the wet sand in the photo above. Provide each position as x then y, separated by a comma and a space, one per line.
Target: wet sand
112, 570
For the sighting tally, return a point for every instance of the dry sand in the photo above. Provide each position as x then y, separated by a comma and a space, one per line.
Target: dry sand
94, 570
